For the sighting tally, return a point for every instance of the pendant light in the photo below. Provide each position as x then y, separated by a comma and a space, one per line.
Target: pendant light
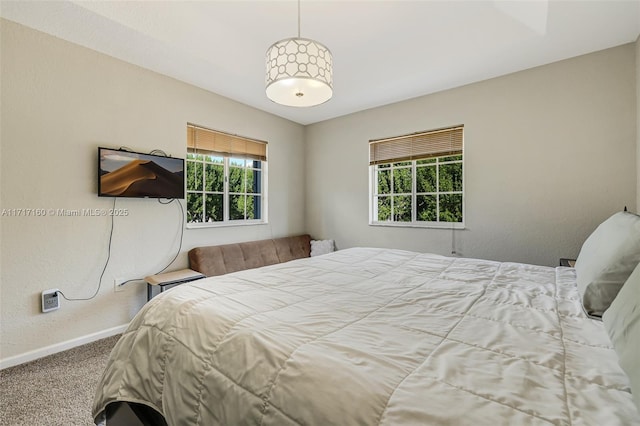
299, 71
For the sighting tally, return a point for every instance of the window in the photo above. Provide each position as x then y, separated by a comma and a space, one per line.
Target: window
417, 180
226, 178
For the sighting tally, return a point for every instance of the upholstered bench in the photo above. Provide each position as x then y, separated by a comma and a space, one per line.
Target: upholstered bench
223, 259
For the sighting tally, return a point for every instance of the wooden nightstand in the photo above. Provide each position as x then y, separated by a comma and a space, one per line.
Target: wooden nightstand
571, 263
170, 278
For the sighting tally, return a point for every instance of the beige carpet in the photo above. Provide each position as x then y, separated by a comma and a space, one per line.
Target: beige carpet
54, 391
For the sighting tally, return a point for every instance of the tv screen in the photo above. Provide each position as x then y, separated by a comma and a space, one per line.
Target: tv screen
136, 175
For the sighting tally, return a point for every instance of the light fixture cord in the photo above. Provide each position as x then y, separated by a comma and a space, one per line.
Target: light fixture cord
298, 18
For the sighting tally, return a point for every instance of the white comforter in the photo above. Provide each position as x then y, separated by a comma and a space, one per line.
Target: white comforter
371, 336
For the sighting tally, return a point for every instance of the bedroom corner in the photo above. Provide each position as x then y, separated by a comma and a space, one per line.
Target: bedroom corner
60, 102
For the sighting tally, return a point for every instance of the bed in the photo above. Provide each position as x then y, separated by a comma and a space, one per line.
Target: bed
368, 336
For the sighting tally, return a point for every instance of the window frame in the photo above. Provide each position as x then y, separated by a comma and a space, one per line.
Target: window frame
245, 193
226, 194
374, 196
214, 144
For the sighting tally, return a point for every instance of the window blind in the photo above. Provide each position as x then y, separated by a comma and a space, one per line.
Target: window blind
206, 141
416, 146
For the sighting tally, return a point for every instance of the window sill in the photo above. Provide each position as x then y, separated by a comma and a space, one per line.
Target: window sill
419, 225
203, 225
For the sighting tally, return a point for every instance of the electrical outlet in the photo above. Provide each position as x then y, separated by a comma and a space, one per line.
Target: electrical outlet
116, 284
50, 300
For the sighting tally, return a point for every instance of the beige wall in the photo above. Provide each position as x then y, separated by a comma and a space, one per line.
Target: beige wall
638, 124
549, 153
59, 103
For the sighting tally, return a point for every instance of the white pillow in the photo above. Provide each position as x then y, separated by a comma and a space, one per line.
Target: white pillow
319, 247
622, 321
606, 260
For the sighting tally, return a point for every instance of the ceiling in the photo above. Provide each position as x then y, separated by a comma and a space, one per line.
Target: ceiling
383, 51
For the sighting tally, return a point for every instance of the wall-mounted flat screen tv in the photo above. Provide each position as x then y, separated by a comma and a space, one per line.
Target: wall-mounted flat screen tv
136, 175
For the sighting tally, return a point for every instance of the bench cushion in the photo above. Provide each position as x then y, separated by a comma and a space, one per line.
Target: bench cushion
227, 258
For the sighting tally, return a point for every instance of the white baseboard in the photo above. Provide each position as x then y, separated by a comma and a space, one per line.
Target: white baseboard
59, 347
